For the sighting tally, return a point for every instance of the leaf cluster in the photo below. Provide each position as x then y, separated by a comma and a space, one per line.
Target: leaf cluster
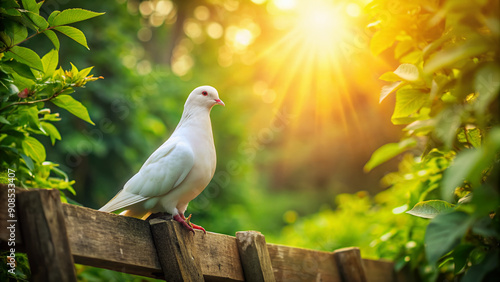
446, 89
28, 82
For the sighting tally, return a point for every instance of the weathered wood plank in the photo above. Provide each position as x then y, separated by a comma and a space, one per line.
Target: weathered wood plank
126, 244
350, 265
379, 271
296, 264
174, 246
254, 256
5, 233
45, 236
111, 241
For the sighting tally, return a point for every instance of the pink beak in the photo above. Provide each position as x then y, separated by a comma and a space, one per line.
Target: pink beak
219, 101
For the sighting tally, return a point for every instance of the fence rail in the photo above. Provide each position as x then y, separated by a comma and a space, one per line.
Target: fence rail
55, 236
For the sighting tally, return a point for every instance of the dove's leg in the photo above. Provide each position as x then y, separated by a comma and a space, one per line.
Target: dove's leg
192, 224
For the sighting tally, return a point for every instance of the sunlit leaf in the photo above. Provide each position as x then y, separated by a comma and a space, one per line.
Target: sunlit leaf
73, 33
38, 20
407, 72
30, 5
387, 152
53, 37
26, 56
52, 131
388, 89
408, 101
34, 149
444, 232
390, 76
73, 106
51, 17
50, 61
430, 209
73, 15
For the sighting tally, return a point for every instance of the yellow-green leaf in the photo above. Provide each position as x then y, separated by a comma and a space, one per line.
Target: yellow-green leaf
72, 16
74, 34
73, 106
387, 152
34, 149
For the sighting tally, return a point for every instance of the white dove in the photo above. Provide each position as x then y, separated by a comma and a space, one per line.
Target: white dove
178, 170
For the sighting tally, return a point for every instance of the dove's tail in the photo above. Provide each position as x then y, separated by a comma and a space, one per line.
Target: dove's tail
122, 200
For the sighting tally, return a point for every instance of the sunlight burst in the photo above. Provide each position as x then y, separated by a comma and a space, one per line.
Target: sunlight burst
308, 62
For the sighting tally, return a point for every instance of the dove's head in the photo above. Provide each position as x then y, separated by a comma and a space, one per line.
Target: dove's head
204, 96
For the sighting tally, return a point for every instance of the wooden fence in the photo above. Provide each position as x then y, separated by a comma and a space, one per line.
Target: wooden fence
55, 236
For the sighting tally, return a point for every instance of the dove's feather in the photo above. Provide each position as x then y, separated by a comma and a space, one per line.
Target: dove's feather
122, 200
163, 171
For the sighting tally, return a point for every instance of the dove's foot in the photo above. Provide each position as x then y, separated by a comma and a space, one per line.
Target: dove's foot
186, 223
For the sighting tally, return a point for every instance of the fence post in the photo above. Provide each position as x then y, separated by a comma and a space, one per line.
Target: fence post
254, 256
350, 264
174, 246
45, 236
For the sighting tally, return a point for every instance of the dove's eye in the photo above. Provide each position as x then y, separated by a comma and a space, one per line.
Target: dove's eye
205, 93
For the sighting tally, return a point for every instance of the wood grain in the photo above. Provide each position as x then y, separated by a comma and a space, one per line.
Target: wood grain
350, 265
174, 246
45, 237
254, 256
296, 264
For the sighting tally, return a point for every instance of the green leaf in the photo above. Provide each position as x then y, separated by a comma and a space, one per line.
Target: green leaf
30, 5
9, 4
12, 12
479, 271
4, 120
73, 106
458, 172
460, 256
430, 209
52, 16
38, 20
53, 37
388, 89
444, 232
407, 72
15, 31
20, 69
448, 57
74, 34
34, 149
50, 61
25, 56
52, 131
72, 16
487, 84
387, 152
408, 101
28, 161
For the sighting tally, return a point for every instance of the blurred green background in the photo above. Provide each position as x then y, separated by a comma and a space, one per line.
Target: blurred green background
284, 152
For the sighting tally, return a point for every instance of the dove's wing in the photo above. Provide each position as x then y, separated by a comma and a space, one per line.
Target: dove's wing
164, 170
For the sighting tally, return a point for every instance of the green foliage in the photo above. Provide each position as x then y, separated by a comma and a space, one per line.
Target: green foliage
447, 96
30, 88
